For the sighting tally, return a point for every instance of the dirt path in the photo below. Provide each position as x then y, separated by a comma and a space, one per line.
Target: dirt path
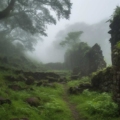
74, 112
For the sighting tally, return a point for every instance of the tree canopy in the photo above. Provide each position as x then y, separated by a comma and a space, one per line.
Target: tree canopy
26, 19
72, 39
33, 15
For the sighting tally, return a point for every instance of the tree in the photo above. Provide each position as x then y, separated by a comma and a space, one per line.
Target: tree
76, 49
7, 10
75, 57
115, 30
24, 20
33, 15
72, 39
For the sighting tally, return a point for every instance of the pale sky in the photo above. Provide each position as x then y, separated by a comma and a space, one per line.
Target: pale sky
87, 11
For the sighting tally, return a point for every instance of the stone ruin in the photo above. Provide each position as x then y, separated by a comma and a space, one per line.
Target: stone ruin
92, 61
103, 80
116, 76
115, 50
109, 80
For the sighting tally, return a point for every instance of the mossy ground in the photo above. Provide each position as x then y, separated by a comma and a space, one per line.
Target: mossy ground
89, 105
52, 106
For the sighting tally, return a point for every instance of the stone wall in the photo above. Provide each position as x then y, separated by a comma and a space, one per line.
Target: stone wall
116, 75
103, 80
108, 80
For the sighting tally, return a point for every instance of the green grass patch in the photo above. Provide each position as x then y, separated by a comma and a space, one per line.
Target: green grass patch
73, 83
95, 106
52, 106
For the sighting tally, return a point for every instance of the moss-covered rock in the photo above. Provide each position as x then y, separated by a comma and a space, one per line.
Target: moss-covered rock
103, 80
33, 101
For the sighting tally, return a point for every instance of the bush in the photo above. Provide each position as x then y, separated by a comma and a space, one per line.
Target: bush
102, 104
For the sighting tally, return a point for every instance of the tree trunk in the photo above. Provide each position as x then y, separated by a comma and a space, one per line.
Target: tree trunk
7, 10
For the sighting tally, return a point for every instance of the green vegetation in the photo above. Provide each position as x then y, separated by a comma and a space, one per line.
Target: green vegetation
25, 25
52, 106
72, 40
94, 105
116, 12
55, 94
73, 83
118, 45
89, 104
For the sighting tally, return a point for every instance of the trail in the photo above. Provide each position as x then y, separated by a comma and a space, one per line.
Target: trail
72, 107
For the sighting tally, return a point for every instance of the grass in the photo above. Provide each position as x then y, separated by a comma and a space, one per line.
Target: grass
91, 105
52, 105
94, 105
73, 83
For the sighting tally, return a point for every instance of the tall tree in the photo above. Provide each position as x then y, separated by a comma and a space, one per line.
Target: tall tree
115, 29
24, 18
33, 15
72, 39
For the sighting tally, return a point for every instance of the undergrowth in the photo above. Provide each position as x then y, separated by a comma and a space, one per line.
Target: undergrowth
52, 106
94, 105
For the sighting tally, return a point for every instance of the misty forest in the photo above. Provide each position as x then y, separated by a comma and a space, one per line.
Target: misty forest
58, 63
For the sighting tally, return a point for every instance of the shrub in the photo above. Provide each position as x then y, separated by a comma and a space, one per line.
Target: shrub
102, 104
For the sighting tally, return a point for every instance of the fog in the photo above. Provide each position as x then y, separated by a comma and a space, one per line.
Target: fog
89, 16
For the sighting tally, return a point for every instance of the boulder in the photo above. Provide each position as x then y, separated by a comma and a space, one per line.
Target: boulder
33, 101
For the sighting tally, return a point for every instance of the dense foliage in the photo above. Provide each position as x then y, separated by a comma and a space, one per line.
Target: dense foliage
31, 17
